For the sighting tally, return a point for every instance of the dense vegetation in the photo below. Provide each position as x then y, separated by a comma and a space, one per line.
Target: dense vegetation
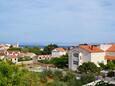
47, 49
26, 58
61, 62
89, 67
110, 65
12, 75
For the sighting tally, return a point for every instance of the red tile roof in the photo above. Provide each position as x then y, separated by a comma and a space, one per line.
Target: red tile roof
110, 57
60, 49
12, 56
91, 48
111, 49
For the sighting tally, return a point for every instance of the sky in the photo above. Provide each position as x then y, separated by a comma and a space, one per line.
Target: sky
57, 21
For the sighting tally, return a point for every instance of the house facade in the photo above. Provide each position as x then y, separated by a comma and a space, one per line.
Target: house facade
28, 54
110, 53
57, 52
10, 55
44, 57
85, 53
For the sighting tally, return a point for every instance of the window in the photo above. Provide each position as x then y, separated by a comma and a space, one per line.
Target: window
76, 54
75, 62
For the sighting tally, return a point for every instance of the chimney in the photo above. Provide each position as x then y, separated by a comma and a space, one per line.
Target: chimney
91, 47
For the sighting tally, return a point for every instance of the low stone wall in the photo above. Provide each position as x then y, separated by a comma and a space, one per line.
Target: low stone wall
25, 62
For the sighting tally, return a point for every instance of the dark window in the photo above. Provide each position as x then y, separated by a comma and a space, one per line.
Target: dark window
76, 54
75, 62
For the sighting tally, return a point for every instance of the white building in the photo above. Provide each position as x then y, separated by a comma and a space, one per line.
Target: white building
85, 53
4, 46
15, 45
2, 56
57, 52
28, 54
44, 57
12, 56
13, 59
110, 53
105, 47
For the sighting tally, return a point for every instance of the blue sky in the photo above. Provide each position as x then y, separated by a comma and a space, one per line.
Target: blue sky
57, 21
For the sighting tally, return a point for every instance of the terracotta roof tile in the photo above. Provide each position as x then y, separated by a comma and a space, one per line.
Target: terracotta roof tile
110, 57
91, 48
60, 49
111, 49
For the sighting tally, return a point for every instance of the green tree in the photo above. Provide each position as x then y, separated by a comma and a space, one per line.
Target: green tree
35, 50
111, 65
26, 58
25, 49
87, 78
14, 49
89, 67
12, 75
61, 62
49, 48
102, 66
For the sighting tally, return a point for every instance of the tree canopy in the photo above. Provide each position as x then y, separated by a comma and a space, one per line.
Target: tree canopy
89, 67
12, 75
61, 62
49, 48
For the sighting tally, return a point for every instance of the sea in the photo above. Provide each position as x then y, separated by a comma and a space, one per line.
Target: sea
42, 46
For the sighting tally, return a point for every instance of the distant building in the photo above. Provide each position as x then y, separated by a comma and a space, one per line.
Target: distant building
90, 53
28, 54
57, 52
16, 45
109, 50
44, 57
85, 53
4, 46
110, 53
12, 58
104, 47
2, 56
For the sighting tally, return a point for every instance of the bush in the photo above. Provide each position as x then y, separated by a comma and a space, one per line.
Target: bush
110, 74
89, 67
111, 65
61, 62
44, 61
87, 78
26, 58
102, 66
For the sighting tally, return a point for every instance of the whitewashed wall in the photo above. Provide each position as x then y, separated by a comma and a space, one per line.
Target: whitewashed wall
98, 58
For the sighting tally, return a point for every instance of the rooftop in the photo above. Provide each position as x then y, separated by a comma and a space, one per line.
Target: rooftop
111, 49
91, 48
60, 49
